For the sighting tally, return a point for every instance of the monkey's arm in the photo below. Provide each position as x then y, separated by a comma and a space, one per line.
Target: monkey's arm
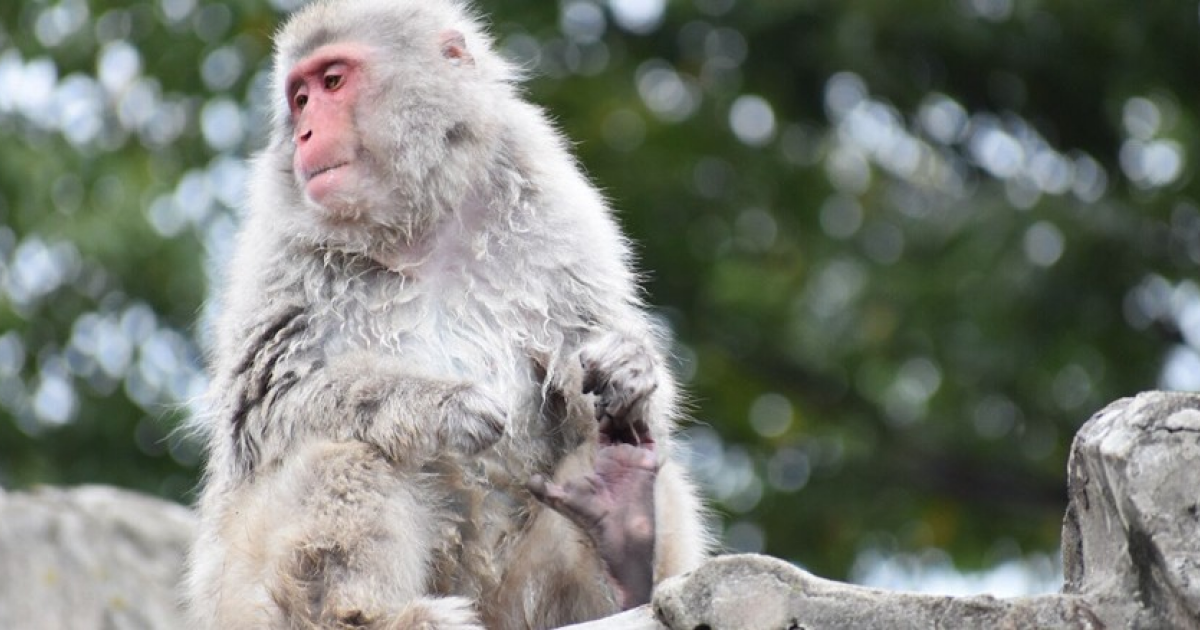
635, 403
614, 506
284, 388
614, 503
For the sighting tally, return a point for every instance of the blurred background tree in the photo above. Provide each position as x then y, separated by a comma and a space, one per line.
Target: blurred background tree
907, 247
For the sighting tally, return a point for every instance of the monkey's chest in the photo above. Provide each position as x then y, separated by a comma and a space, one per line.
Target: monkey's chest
450, 330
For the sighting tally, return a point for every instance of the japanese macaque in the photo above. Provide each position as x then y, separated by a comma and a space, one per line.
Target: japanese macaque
437, 400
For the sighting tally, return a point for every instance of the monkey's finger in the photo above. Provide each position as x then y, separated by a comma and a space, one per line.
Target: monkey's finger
577, 502
641, 431
606, 427
626, 401
626, 457
583, 500
594, 379
614, 430
545, 491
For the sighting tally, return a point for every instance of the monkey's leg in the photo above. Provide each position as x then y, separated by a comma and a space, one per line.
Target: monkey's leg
684, 540
554, 575
639, 538
356, 550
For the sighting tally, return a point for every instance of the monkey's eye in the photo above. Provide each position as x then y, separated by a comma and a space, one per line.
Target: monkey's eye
333, 81
300, 100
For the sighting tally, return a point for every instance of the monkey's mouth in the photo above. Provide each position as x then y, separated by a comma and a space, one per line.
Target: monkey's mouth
317, 172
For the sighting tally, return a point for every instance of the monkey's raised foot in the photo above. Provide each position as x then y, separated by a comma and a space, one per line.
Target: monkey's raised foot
614, 506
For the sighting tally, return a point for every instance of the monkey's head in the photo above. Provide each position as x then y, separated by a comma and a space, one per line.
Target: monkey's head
385, 114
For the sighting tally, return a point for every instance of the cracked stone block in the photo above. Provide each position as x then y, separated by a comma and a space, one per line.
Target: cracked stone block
1131, 536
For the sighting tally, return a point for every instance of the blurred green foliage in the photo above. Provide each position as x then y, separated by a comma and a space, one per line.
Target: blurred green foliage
907, 247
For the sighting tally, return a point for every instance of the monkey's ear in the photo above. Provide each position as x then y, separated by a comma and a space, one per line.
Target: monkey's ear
454, 48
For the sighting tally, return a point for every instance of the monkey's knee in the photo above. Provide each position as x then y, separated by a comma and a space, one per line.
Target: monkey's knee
325, 587
358, 544
436, 613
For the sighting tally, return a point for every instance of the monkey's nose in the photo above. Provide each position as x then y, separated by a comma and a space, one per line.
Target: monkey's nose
304, 136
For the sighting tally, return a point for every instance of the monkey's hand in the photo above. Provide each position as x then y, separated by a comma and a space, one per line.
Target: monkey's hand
471, 421
621, 373
614, 506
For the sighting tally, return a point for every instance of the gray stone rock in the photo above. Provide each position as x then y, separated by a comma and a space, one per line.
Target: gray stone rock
1131, 536
745, 592
90, 557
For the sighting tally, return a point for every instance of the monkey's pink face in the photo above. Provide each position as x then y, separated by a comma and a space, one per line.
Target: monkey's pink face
322, 91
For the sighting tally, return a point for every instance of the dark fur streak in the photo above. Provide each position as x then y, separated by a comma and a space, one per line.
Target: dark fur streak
245, 451
273, 329
266, 395
554, 413
264, 376
271, 343
282, 385
240, 411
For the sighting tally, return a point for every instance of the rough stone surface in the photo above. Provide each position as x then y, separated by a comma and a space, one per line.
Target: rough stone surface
90, 557
1131, 536
96, 557
752, 591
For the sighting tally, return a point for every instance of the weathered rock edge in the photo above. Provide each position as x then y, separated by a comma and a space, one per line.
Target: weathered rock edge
96, 557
